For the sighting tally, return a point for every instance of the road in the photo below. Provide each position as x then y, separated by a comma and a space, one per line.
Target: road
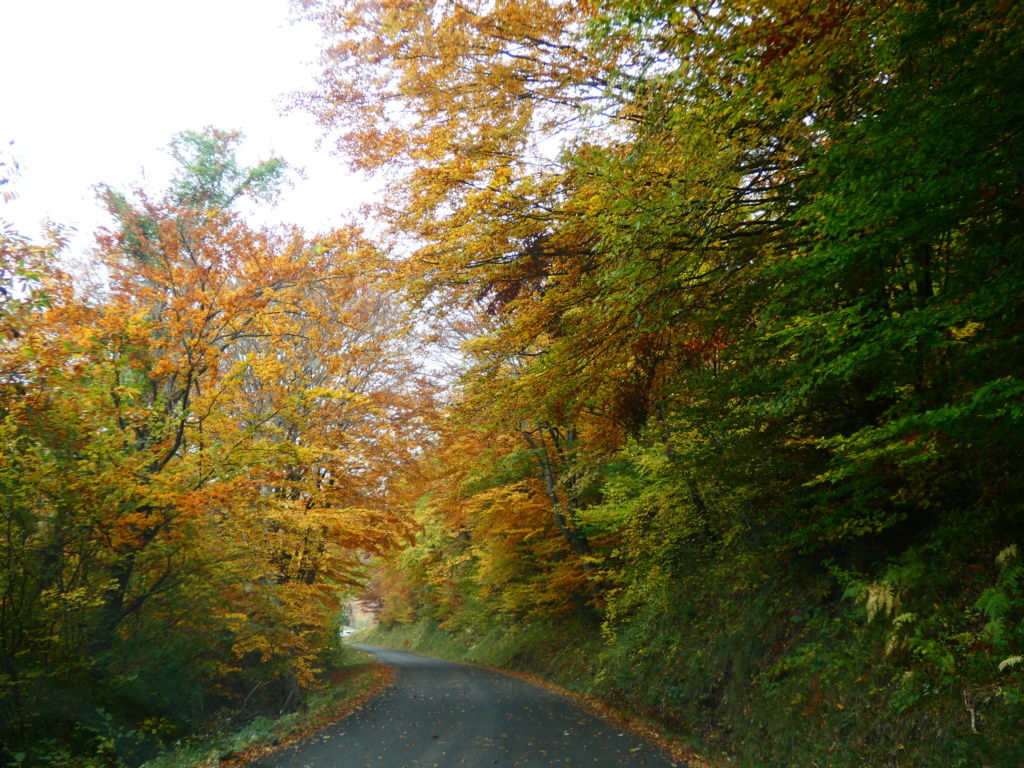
438, 714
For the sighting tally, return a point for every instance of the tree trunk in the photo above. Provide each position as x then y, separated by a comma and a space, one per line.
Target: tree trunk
564, 512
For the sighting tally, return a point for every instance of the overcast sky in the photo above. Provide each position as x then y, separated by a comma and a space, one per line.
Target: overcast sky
92, 90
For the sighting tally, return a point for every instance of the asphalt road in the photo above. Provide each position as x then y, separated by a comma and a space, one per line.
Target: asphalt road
439, 714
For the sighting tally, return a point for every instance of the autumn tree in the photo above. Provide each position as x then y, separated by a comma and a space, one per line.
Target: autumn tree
198, 460
755, 263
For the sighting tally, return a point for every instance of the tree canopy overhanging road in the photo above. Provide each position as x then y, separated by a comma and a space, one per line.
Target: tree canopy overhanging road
438, 714
678, 353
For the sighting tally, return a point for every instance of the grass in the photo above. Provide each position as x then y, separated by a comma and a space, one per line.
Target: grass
533, 648
355, 681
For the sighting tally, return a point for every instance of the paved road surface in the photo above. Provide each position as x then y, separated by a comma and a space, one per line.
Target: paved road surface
445, 715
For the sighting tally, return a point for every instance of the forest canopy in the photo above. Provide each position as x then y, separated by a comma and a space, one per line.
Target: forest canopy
688, 338
196, 458
737, 289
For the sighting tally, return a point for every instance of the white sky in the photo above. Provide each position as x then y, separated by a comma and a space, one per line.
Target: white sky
92, 90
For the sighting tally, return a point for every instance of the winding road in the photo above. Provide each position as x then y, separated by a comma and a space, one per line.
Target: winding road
439, 714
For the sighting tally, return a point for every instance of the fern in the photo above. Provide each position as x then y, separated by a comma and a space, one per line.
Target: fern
1012, 661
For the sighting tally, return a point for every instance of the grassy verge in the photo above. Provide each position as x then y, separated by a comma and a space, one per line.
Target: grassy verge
534, 647
349, 686
780, 678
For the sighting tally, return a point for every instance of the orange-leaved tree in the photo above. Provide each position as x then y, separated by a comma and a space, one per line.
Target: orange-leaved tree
199, 455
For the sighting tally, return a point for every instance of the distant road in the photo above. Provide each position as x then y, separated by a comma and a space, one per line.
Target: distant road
439, 714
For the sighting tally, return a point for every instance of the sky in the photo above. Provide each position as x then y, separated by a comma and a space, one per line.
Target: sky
91, 91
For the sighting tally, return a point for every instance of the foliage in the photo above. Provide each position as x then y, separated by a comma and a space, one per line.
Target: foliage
735, 289
730, 293
352, 678
184, 471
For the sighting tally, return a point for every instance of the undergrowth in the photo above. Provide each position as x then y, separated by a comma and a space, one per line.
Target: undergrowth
825, 671
352, 679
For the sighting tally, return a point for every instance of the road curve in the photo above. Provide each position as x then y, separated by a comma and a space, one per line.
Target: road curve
438, 714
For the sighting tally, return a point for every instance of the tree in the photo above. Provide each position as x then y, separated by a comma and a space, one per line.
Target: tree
760, 291
204, 452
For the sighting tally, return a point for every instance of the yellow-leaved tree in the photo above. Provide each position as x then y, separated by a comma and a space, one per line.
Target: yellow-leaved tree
198, 457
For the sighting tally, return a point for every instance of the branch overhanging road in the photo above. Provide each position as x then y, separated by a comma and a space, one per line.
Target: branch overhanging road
439, 714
